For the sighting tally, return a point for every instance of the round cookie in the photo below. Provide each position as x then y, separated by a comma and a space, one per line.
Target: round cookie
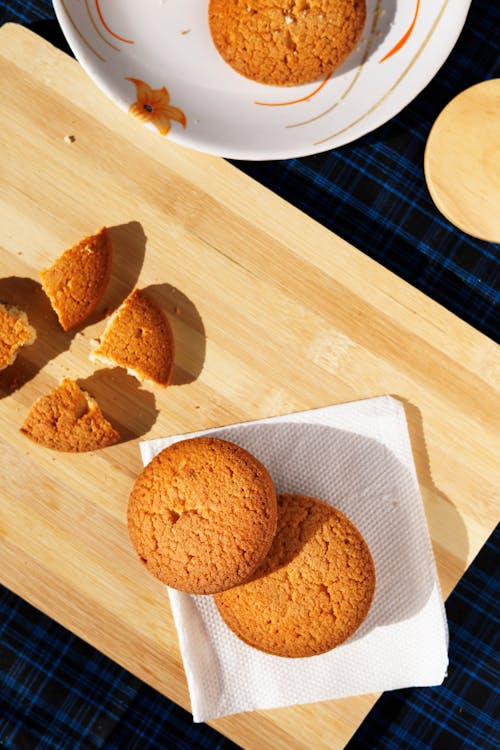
286, 42
202, 515
313, 590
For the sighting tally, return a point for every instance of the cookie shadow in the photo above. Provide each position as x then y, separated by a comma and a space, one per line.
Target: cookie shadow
129, 242
449, 517
379, 20
188, 330
130, 409
51, 340
367, 482
129, 248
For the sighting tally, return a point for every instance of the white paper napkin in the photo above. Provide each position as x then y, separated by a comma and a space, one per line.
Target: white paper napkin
357, 457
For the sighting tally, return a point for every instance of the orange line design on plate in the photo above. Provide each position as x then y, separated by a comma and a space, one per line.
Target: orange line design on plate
84, 39
397, 82
297, 101
96, 28
351, 85
110, 31
405, 36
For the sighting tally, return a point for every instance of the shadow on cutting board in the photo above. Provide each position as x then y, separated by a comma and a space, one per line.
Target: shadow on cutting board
130, 408
129, 248
448, 519
129, 244
51, 340
188, 330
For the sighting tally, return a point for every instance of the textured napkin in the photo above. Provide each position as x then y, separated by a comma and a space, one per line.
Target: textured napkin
357, 457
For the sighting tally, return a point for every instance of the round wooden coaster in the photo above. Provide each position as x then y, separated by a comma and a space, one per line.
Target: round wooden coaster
462, 161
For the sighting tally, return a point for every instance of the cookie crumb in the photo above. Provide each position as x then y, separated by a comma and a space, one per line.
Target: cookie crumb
69, 139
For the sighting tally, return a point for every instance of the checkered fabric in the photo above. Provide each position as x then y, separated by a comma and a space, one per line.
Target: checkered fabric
464, 712
58, 693
25, 11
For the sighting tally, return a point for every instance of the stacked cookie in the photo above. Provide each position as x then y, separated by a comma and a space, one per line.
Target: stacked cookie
290, 574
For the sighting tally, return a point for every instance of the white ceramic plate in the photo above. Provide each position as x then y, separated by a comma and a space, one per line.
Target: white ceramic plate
156, 59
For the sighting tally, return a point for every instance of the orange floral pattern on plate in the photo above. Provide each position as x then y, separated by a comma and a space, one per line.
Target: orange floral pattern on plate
153, 105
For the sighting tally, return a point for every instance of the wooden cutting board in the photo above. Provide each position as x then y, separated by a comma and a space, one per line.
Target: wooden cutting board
271, 312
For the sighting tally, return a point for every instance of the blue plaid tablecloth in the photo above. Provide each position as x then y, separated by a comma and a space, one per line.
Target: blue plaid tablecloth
58, 693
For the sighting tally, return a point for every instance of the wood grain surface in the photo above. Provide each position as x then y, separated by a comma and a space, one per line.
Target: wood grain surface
271, 312
462, 161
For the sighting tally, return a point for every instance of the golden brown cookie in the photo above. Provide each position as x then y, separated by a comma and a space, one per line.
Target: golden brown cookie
286, 42
15, 332
68, 419
138, 337
202, 515
77, 280
313, 590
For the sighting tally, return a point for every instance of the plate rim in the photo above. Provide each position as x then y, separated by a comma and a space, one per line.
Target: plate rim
253, 152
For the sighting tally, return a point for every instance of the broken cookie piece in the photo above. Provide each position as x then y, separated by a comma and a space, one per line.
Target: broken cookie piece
15, 332
69, 419
77, 280
139, 338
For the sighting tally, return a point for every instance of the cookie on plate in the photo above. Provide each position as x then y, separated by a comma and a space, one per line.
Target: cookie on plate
202, 515
139, 338
313, 590
286, 42
77, 280
15, 332
69, 419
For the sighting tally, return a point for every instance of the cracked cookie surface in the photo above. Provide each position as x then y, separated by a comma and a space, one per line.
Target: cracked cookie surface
202, 515
15, 332
78, 279
314, 588
286, 42
69, 419
138, 337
